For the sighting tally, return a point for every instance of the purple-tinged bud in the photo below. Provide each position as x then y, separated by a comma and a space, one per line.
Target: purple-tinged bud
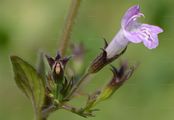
57, 65
78, 52
119, 77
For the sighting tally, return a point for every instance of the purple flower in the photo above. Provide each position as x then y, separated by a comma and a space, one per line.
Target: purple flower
133, 31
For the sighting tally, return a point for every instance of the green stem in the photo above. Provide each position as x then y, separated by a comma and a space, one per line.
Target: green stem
39, 116
69, 25
79, 111
47, 111
78, 85
73, 110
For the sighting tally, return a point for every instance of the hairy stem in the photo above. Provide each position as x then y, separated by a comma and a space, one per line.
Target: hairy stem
39, 116
69, 25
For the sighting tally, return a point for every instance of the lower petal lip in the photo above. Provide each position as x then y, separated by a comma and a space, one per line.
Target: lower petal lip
151, 44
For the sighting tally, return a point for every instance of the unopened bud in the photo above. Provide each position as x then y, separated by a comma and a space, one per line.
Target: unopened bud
57, 66
119, 77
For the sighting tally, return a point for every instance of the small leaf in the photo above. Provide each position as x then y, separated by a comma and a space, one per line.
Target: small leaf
40, 64
40, 67
29, 81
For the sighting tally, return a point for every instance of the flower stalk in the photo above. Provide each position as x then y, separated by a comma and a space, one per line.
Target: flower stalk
69, 25
77, 86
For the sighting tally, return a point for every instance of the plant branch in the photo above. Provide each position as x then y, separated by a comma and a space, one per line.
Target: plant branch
78, 111
47, 111
69, 25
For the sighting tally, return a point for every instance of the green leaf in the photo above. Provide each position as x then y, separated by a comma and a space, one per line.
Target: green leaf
29, 81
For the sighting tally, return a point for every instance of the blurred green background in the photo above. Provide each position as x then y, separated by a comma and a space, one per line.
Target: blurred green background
29, 25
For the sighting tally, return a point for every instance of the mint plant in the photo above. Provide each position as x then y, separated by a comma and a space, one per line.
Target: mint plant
52, 91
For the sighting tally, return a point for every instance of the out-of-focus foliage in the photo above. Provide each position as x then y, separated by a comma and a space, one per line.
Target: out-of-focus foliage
27, 26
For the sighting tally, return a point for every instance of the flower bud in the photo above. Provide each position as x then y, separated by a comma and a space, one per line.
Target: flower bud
78, 51
57, 84
119, 77
57, 66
